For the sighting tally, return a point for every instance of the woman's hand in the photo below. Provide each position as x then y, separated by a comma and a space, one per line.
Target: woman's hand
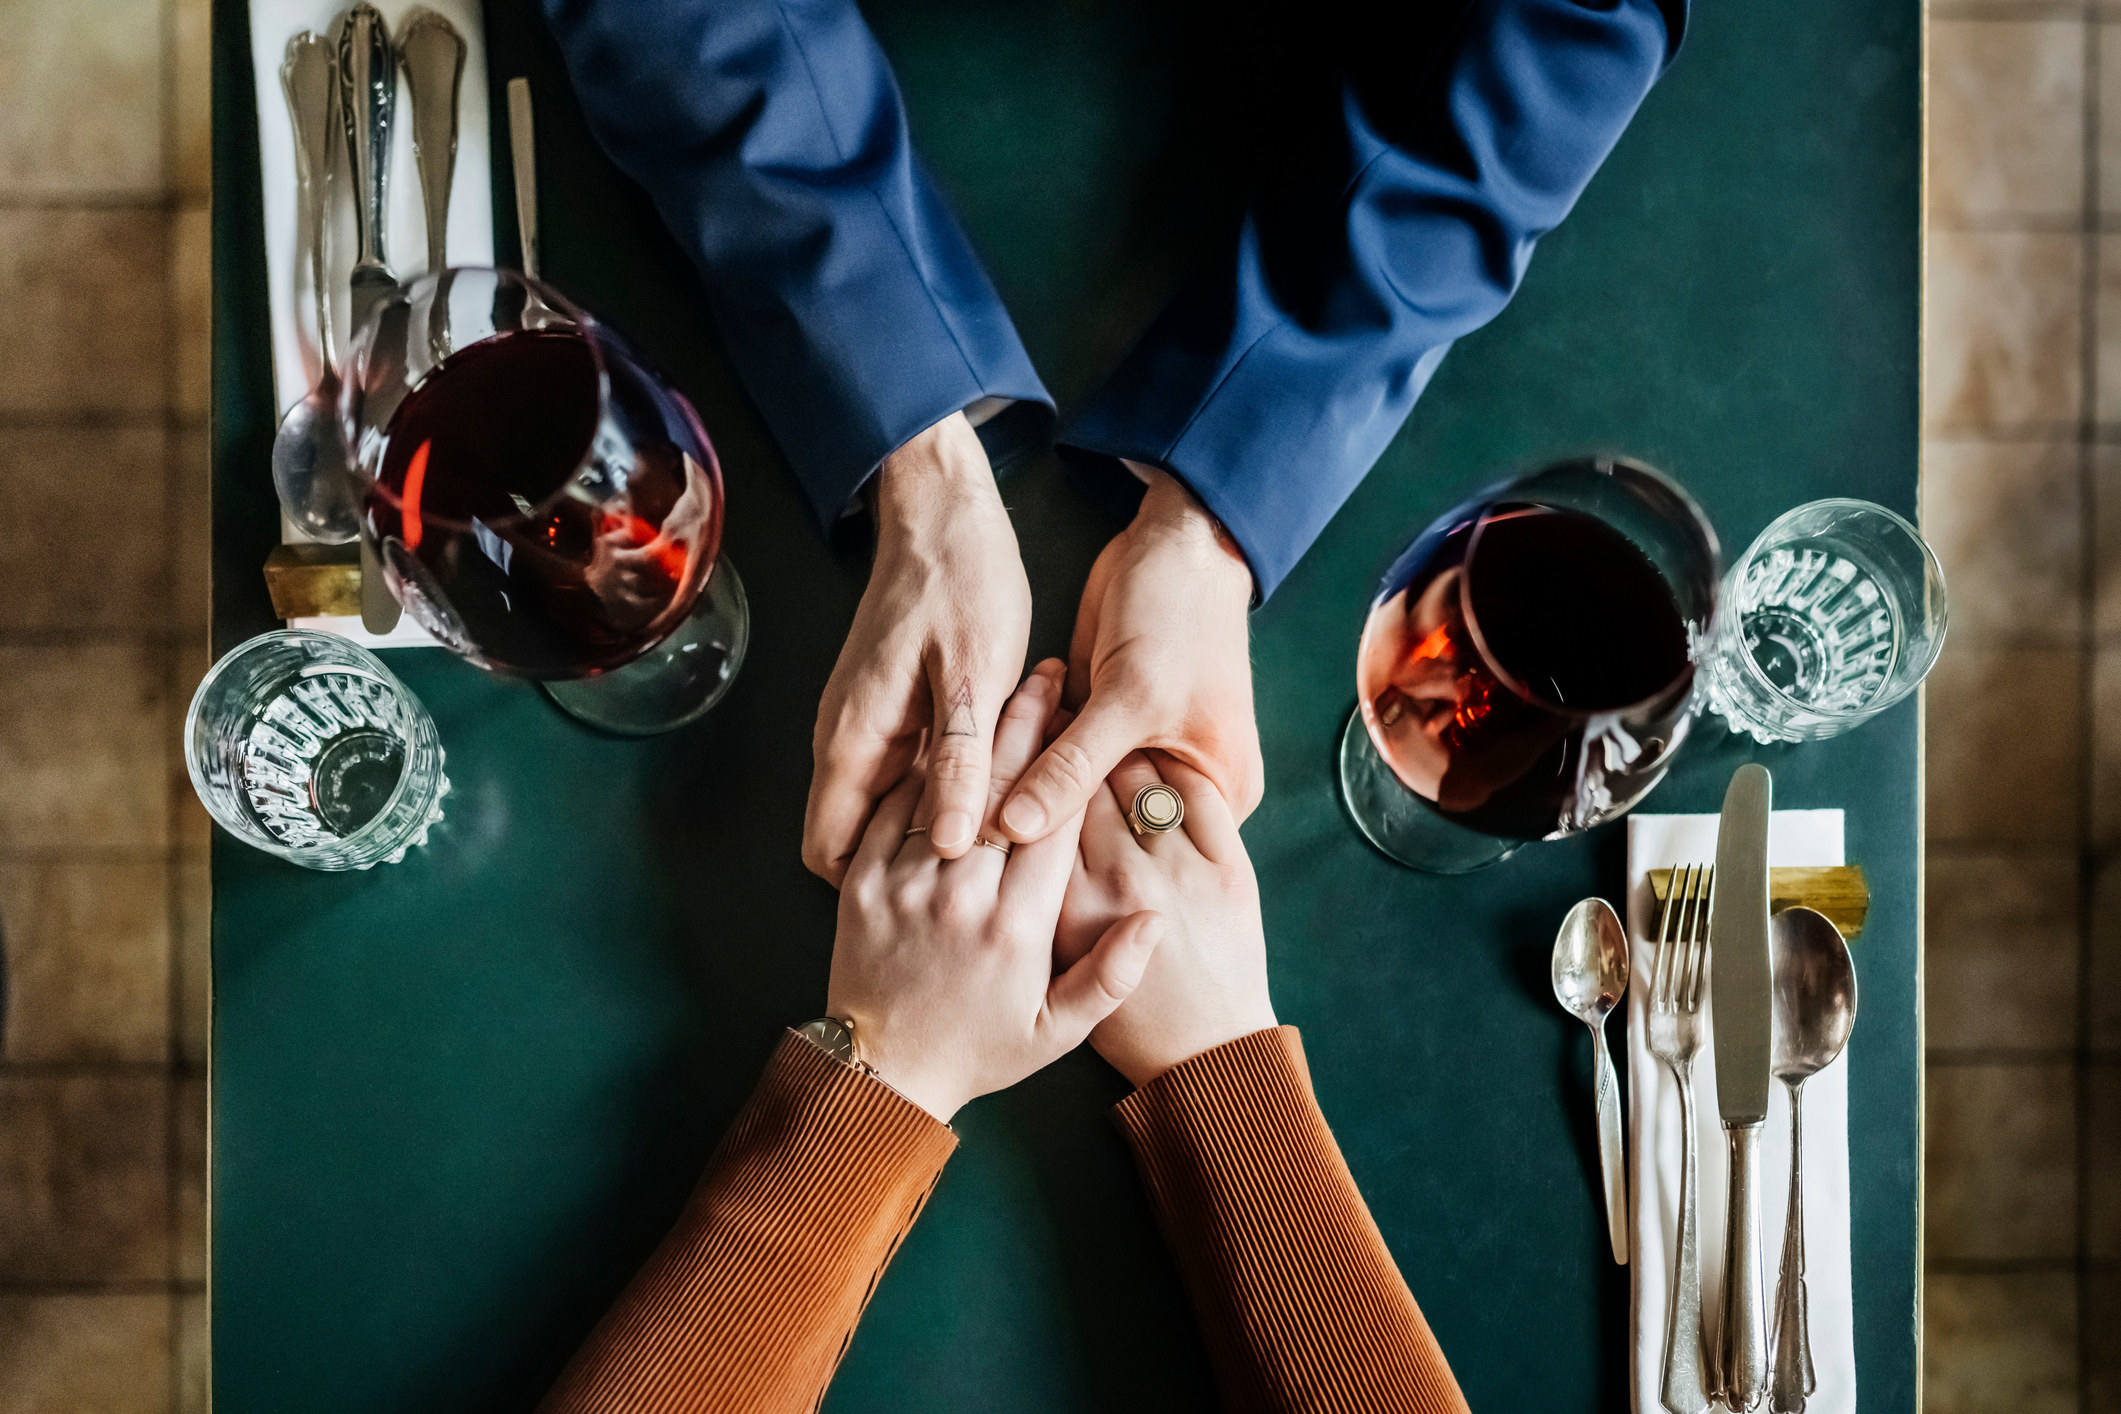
937, 641
945, 966
1207, 983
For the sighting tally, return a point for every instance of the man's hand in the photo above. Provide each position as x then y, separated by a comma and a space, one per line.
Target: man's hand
935, 650
1160, 659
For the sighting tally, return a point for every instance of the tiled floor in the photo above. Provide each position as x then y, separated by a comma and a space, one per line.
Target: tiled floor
2022, 498
103, 269
103, 190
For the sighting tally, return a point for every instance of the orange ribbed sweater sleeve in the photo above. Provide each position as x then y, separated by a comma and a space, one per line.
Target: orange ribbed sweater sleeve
1297, 1296
750, 1301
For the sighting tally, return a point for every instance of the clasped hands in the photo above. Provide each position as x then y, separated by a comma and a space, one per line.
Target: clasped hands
966, 969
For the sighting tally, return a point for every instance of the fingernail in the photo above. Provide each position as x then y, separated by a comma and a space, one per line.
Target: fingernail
951, 830
1024, 816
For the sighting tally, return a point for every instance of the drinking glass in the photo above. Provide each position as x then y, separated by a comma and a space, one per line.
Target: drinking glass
1525, 667
542, 501
304, 745
1836, 613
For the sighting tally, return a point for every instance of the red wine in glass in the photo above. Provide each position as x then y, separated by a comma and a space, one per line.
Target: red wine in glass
478, 484
542, 501
1526, 668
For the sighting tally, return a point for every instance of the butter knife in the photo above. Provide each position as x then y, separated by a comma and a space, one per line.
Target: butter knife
368, 89
368, 84
1741, 998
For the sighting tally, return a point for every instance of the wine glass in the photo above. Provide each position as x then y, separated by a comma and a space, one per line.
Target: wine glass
1525, 668
542, 501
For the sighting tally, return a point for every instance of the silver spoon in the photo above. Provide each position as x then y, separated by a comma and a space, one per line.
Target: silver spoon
1815, 1009
1590, 977
432, 54
309, 468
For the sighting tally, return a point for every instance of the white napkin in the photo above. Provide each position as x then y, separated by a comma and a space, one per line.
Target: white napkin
294, 336
1795, 838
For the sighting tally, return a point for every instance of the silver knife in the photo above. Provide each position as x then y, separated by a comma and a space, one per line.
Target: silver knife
1741, 998
368, 85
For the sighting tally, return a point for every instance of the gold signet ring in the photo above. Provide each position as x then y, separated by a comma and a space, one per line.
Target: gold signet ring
1156, 810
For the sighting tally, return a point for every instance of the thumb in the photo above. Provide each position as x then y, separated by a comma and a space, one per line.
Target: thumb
1067, 773
959, 760
1092, 990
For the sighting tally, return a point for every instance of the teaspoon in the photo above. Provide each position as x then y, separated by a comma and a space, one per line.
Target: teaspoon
1815, 1009
309, 468
1590, 977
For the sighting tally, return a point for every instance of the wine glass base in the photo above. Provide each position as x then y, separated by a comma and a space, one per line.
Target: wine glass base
679, 680
1403, 827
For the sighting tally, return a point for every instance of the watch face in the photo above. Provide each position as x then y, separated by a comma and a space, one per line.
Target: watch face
832, 1036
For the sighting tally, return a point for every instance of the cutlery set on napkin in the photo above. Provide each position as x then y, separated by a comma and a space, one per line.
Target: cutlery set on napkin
1726, 1001
332, 133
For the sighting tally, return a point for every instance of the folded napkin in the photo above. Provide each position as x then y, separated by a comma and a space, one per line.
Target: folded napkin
294, 334
1795, 838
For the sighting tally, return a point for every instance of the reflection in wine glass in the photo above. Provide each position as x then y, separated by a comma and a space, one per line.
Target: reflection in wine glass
1525, 667
542, 501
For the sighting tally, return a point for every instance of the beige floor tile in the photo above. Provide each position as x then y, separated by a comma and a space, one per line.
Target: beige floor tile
2106, 745
190, 308
2002, 329
82, 747
2104, 980
81, 98
88, 949
55, 576
84, 1178
2106, 567
191, 530
2002, 746
194, 944
2005, 521
1999, 1344
86, 295
2102, 1384
2000, 950
194, 1357
2108, 314
2102, 1167
189, 659
85, 1354
2109, 118
2001, 1164
191, 97
2006, 116
189, 1259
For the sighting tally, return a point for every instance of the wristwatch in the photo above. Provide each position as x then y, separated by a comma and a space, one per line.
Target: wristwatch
835, 1038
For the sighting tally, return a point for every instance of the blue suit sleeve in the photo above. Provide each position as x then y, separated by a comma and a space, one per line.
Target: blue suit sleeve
1276, 377
772, 137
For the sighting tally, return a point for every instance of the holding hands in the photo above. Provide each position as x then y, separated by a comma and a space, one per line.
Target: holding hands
1159, 659
964, 966
945, 966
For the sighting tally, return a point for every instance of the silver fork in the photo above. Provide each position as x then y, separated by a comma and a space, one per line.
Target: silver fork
1677, 987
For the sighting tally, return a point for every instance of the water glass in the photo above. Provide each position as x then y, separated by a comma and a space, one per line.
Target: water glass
1836, 613
304, 745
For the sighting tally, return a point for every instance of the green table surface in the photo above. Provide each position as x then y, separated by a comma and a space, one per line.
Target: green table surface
455, 1101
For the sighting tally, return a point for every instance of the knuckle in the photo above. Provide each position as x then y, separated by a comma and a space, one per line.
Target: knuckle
956, 766
1066, 768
